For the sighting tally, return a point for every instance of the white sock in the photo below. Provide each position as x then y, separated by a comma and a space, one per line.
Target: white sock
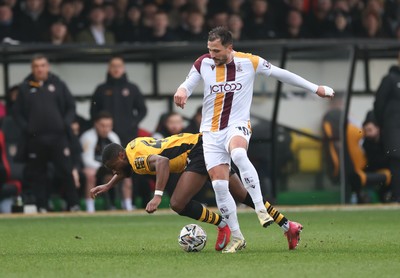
128, 204
237, 234
226, 205
285, 226
249, 177
222, 224
90, 205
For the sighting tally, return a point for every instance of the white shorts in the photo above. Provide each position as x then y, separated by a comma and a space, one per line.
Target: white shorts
216, 143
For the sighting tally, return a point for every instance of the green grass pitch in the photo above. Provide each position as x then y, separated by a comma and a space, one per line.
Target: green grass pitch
334, 243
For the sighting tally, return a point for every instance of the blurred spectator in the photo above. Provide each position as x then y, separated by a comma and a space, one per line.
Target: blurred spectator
110, 17
11, 97
218, 19
14, 5
169, 124
195, 30
376, 171
392, 8
9, 189
342, 27
174, 13
149, 10
295, 28
194, 124
160, 31
372, 144
8, 26
59, 34
76, 155
235, 25
96, 32
297, 5
371, 26
44, 109
377, 7
68, 16
321, 18
356, 8
93, 141
260, 23
122, 99
12, 133
132, 29
53, 9
121, 6
33, 22
235, 7
387, 113
201, 5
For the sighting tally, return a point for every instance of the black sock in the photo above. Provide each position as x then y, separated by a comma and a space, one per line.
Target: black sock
195, 210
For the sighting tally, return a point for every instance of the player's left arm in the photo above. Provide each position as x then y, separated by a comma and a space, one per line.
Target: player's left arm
160, 165
293, 79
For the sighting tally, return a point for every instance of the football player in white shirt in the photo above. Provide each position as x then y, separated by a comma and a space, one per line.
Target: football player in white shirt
228, 90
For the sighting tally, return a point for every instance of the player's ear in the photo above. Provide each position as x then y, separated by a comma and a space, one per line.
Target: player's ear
121, 155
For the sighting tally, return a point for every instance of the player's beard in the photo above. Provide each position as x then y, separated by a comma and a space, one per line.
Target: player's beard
220, 61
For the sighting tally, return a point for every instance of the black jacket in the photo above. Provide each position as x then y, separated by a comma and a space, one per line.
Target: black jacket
376, 158
124, 101
387, 111
44, 110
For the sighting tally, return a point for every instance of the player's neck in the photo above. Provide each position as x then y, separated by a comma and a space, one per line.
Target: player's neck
230, 59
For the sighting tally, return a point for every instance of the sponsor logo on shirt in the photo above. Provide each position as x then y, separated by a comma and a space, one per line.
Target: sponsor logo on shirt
226, 87
267, 64
51, 88
239, 67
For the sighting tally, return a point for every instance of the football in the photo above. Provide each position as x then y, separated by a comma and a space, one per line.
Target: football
192, 238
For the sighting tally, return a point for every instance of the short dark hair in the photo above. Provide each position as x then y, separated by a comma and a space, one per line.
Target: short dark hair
39, 56
111, 152
222, 34
102, 115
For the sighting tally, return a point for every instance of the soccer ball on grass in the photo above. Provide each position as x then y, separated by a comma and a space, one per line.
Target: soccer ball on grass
192, 238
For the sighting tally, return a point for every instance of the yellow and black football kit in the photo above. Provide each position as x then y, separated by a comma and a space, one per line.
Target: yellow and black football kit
179, 149
185, 153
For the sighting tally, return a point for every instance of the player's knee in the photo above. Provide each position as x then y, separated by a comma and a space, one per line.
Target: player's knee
176, 206
239, 156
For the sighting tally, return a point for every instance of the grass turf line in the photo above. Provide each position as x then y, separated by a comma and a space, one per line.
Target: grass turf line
334, 243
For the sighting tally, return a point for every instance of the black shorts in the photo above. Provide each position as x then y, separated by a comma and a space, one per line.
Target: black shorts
195, 158
196, 161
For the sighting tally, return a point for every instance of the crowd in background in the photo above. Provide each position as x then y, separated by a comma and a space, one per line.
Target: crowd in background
135, 21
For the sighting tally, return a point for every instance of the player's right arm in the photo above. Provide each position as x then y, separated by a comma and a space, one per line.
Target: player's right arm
186, 88
117, 178
160, 165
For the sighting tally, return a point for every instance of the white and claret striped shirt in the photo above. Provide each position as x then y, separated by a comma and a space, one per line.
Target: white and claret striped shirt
228, 88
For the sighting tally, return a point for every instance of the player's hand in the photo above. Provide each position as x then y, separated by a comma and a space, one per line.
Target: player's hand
325, 92
153, 204
98, 190
180, 97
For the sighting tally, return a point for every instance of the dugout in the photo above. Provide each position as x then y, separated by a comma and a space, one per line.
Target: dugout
287, 122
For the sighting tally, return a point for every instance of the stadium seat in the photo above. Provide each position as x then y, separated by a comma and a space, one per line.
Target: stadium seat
356, 175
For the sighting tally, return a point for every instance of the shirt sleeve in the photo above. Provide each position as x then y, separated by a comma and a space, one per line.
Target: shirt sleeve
192, 80
285, 76
88, 142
